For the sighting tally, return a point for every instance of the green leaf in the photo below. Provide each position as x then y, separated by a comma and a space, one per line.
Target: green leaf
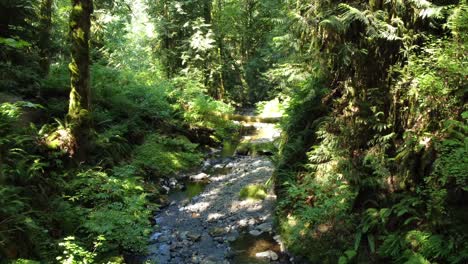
371, 242
357, 241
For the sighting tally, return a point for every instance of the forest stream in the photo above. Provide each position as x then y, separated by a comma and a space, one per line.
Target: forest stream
206, 221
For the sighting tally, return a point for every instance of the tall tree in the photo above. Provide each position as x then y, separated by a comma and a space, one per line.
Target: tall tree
79, 106
45, 25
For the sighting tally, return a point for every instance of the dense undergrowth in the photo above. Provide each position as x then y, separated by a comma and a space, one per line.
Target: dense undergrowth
144, 127
373, 164
102, 208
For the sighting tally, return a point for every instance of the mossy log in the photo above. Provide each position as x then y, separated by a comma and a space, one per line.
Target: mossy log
252, 119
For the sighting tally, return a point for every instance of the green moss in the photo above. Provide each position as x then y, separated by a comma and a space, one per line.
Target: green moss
255, 192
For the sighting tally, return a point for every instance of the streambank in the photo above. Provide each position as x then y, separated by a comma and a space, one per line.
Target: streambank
216, 225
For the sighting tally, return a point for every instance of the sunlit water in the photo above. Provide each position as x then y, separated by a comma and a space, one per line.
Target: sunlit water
246, 246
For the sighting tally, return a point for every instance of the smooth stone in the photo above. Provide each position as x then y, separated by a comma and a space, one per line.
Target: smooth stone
199, 177
255, 232
269, 254
265, 227
218, 166
155, 236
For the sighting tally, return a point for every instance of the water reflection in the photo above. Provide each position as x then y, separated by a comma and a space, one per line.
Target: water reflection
246, 246
191, 190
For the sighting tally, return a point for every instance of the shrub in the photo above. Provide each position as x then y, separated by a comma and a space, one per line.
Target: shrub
163, 155
114, 207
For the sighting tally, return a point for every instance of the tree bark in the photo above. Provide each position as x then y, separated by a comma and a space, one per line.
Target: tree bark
45, 36
78, 111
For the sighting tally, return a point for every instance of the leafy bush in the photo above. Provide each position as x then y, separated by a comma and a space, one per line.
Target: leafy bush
163, 156
197, 108
386, 145
23, 186
114, 206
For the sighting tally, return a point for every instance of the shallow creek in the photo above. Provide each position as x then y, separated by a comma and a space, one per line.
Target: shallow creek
207, 222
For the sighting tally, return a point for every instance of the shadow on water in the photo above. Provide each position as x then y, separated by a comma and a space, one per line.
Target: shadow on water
191, 190
230, 145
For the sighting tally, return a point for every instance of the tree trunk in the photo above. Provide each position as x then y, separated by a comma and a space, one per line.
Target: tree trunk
78, 112
45, 25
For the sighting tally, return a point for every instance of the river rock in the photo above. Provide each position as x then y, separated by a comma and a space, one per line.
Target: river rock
164, 250
195, 259
194, 236
269, 254
219, 239
163, 239
218, 166
172, 182
199, 177
217, 231
155, 236
255, 232
265, 227
165, 188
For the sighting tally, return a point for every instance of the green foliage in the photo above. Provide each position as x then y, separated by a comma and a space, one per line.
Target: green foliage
22, 171
163, 156
196, 107
390, 130
74, 253
114, 206
255, 192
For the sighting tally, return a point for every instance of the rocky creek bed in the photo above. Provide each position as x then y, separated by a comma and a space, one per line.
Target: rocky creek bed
210, 223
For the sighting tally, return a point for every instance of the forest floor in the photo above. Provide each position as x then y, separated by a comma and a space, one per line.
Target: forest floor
208, 222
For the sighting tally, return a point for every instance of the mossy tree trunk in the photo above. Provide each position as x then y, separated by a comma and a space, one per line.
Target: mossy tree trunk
79, 108
45, 36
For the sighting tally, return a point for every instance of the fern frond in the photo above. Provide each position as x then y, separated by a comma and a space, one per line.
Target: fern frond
332, 23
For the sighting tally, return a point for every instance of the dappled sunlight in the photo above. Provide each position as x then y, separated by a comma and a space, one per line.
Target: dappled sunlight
214, 216
264, 132
197, 207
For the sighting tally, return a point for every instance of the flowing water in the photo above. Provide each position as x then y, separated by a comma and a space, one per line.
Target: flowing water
208, 222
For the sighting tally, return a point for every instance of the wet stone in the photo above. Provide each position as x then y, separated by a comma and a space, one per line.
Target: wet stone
269, 254
205, 219
217, 231
255, 232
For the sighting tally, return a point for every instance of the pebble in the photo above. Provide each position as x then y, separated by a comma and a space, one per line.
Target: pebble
220, 214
